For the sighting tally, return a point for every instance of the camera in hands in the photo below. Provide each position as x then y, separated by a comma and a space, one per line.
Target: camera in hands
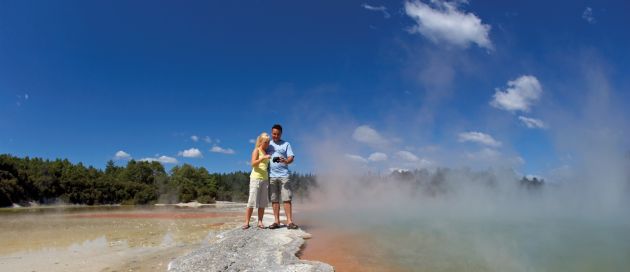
276, 159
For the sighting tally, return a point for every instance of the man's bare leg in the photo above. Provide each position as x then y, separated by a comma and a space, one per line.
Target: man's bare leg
276, 212
288, 212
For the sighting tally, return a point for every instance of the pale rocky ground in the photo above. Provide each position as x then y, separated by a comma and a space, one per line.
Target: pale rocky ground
251, 250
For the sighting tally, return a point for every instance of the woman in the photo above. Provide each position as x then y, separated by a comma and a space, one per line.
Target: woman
258, 181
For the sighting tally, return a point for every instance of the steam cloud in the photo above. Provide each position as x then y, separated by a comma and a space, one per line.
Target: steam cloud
592, 186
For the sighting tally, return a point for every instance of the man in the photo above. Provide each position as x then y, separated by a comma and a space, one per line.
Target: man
279, 187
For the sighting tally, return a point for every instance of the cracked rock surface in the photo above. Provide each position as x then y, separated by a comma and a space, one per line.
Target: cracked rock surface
251, 250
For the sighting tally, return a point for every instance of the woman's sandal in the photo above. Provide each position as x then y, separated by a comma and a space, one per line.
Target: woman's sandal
245, 227
274, 226
261, 226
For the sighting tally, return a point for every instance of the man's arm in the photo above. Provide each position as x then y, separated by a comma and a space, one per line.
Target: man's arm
289, 160
290, 155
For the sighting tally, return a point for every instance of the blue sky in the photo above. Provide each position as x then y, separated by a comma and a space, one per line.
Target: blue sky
394, 84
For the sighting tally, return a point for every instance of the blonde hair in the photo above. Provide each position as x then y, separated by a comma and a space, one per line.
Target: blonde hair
262, 137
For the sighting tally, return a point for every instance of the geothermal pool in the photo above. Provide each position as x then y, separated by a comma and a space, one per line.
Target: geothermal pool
505, 245
114, 238
422, 241
429, 237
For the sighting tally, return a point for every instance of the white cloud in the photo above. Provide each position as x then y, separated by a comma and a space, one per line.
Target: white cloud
356, 158
122, 155
218, 149
377, 156
375, 8
520, 94
161, 159
191, 153
252, 141
478, 137
588, 15
409, 160
21, 99
485, 154
444, 22
424, 163
207, 139
366, 134
430, 148
493, 157
531, 122
194, 138
398, 170
374, 157
412, 161
407, 156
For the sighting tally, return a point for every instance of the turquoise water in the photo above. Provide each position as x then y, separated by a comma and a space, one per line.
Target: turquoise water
472, 226
476, 244
473, 233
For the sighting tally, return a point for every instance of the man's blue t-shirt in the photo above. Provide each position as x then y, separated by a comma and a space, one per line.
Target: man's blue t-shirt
279, 149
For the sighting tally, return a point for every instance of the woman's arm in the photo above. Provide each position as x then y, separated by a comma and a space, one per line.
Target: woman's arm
256, 159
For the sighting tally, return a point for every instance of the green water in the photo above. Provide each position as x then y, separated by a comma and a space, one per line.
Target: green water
487, 244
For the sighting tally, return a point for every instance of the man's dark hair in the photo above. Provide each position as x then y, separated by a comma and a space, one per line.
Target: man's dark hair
278, 127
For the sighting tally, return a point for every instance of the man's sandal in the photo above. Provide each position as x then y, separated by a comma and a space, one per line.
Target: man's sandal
292, 226
274, 226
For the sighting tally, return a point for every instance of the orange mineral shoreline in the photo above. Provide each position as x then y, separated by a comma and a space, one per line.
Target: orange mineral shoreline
162, 215
344, 250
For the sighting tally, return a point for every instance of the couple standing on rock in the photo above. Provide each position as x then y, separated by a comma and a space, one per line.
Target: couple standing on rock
270, 179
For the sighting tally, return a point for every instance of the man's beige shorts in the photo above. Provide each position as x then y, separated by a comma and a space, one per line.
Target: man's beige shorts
258, 193
279, 189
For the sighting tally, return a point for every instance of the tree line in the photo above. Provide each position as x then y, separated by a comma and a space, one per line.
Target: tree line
26, 180
442, 180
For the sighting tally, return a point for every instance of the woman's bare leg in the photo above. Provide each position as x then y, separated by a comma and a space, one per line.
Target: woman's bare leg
261, 213
248, 216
